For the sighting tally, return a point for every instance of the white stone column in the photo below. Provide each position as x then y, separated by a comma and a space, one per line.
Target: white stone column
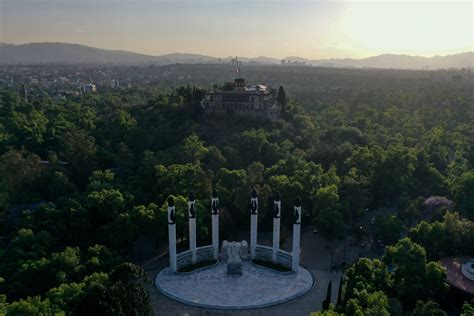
215, 222
172, 233
296, 236
192, 226
253, 222
276, 225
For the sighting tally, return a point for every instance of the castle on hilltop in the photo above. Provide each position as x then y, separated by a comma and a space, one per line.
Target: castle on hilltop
237, 98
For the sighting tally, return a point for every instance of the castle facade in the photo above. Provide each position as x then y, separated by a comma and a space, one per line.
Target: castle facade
239, 99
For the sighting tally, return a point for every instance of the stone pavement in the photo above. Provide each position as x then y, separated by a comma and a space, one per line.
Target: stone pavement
213, 288
303, 305
315, 257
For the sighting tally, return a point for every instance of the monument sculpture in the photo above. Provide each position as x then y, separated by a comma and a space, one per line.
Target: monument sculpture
245, 269
192, 226
242, 250
276, 226
215, 222
172, 233
234, 263
253, 222
296, 235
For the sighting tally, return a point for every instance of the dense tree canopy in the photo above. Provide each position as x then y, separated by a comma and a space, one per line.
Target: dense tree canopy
83, 178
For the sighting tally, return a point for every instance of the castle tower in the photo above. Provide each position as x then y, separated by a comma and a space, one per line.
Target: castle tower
276, 225
172, 233
253, 222
192, 226
296, 236
215, 222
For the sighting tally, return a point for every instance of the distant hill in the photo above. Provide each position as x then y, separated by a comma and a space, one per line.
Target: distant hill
62, 53
462, 60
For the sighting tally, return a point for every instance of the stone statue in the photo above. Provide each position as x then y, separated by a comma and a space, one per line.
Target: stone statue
234, 264
215, 202
244, 250
297, 215
253, 202
224, 256
276, 201
192, 206
171, 213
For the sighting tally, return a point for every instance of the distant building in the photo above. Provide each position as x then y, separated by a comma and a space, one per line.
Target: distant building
235, 61
236, 98
89, 87
114, 84
283, 62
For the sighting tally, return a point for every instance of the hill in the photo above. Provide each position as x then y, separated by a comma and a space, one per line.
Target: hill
63, 53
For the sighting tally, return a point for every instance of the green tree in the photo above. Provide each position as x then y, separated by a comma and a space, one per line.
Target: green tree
127, 289
329, 312
19, 172
463, 191
414, 277
428, 308
327, 300
387, 229
31, 306
468, 309
193, 149
329, 219
281, 96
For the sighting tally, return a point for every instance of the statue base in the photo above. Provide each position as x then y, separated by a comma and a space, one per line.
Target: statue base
234, 266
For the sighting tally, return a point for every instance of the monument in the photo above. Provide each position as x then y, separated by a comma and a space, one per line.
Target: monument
253, 222
234, 263
227, 282
192, 226
172, 233
215, 222
296, 235
276, 226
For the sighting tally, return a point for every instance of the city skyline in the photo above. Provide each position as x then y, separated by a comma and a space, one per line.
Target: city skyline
278, 29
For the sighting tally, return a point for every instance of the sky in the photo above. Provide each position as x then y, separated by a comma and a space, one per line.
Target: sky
221, 28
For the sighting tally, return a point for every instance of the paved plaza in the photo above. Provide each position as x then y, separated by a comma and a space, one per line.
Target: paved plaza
213, 288
315, 257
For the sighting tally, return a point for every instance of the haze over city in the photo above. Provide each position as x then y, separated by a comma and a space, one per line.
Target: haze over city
309, 29
224, 157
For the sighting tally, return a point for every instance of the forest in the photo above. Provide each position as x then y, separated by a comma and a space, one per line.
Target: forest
82, 179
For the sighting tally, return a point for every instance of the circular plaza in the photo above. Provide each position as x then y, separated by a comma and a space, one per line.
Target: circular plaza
212, 287
240, 276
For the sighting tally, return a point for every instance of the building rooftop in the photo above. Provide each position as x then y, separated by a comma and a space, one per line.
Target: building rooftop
238, 86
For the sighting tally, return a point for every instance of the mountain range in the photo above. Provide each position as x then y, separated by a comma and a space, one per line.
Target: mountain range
63, 53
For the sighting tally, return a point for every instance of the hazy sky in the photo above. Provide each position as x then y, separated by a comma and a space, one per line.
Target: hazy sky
311, 29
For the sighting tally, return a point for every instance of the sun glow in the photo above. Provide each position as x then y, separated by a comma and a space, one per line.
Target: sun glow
423, 28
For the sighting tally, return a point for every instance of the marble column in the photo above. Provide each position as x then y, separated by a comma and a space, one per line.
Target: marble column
172, 233
215, 222
296, 236
192, 226
253, 222
276, 225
